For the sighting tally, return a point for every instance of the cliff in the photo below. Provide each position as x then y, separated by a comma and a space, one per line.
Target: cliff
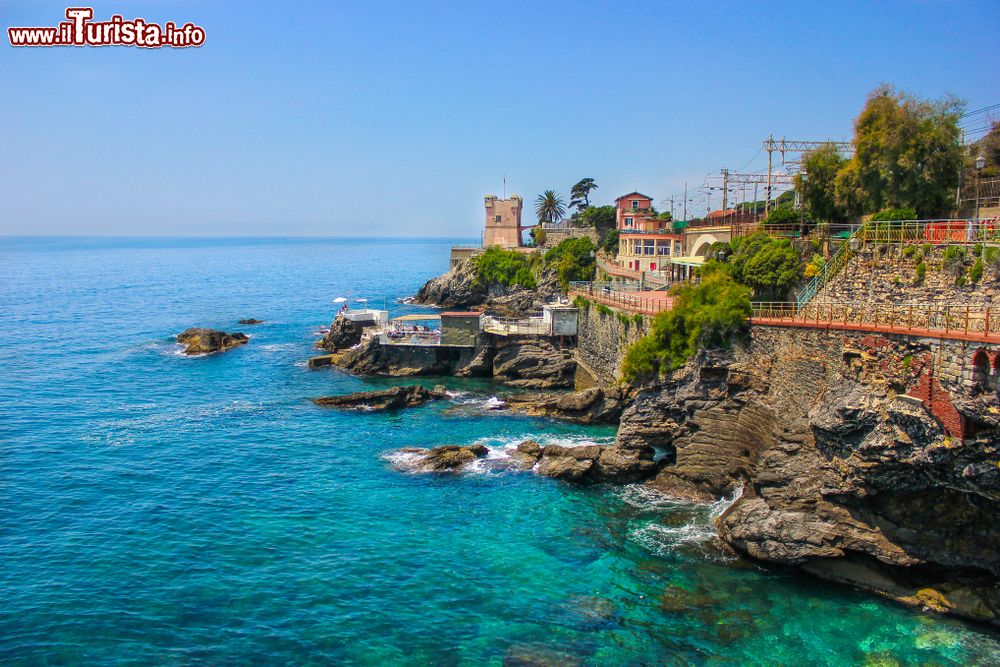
460, 288
865, 459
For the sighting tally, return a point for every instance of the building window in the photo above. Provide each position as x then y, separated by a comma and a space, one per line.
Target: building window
635, 204
628, 222
497, 219
649, 247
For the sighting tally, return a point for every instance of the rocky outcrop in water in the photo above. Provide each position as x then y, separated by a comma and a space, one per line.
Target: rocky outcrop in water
533, 362
845, 445
589, 406
448, 458
594, 463
209, 341
344, 334
384, 399
251, 320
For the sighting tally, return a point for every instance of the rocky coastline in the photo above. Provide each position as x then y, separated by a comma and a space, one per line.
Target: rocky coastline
838, 466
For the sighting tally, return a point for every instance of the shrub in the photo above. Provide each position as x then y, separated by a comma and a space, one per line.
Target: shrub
926, 249
991, 256
783, 216
496, 266
892, 214
815, 265
770, 266
538, 236
909, 251
637, 318
604, 310
976, 272
581, 304
954, 261
710, 313
571, 259
920, 271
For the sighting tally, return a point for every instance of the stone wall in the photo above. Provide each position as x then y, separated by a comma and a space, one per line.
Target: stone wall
885, 275
554, 236
603, 336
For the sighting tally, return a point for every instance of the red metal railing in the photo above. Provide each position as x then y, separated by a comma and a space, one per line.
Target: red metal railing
952, 321
624, 300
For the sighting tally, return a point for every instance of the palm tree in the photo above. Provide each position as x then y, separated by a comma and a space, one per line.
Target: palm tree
550, 207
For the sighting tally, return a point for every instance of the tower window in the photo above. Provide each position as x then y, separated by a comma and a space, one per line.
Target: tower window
497, 219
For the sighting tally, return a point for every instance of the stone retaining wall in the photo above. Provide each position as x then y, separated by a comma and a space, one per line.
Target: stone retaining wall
885, 275
603, 337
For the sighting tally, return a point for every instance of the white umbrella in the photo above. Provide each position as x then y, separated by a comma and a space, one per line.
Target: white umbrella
362, 300
339, 299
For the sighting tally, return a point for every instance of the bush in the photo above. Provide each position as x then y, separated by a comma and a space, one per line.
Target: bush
571, 259
496, 266
538, 236
976, 272
770, 266
954, 261
920, 271
909, 251
992, 258
893, 214
710, 313
581, 304
815, 266
783, 216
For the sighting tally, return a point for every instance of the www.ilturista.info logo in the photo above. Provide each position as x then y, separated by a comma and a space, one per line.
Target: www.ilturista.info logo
80, 30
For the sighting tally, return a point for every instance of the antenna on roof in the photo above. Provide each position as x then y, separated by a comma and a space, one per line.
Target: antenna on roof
505, 187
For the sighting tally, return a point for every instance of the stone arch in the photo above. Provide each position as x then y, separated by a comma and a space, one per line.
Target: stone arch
984, 371
703, 244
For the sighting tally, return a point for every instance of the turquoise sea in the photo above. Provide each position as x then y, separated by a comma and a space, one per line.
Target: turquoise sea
163, 510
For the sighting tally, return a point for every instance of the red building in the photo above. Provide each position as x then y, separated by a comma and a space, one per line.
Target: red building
646, 243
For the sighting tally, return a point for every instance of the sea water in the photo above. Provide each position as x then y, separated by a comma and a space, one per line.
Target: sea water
162, 509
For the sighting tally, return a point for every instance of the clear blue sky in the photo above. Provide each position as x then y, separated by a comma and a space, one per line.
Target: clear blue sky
371, 118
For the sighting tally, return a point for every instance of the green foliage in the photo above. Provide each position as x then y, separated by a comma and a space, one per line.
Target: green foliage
909, 251
920, 271
907, 154
710, 313
637, 318
992, 258
783, 216
818, 188
892, 214
550, 207
770, 266
579, 194
604, 310
926, 249
611, 241
581, 304
572, 259
496, 266
624, 319
976, 272
538, 235
954, 260
666, 215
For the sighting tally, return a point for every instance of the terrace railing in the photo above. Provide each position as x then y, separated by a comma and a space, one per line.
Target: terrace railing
503, 326
621, 300
612, 268
954, 321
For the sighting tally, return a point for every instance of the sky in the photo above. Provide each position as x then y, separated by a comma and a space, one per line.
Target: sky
371, 118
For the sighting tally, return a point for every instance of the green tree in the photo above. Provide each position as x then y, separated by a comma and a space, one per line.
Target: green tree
579, 194
601, 218
907, 154
550, 207
783, 216
572, 259
770, 266
818, 188
711, 313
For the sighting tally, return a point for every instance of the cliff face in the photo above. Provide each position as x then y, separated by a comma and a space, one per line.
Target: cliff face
460, 288
865, 459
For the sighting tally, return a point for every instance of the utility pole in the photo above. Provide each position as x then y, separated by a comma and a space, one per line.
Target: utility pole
671, 207
725, 188
770, 149
685, 200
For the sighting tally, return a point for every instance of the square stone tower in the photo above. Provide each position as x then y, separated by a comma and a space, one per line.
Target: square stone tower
503, 222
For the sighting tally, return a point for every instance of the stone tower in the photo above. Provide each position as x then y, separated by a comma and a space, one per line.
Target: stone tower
503, 222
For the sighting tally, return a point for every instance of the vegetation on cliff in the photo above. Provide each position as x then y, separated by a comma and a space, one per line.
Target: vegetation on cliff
711, 313
496, 266
571, 259
770, 266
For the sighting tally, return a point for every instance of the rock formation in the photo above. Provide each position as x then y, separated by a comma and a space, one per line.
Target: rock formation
847, 457
589, 406
384, 399
344, 334
251, 320
209, 341
461, 288
533, 362
448, 458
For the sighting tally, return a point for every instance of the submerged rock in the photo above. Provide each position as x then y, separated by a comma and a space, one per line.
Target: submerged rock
209, 341
251, 320
448, 458
384, 399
